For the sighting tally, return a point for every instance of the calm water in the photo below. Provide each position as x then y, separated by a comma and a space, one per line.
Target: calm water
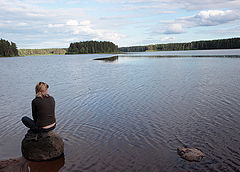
131, 114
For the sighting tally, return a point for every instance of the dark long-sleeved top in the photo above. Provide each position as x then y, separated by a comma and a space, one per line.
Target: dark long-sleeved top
43, 111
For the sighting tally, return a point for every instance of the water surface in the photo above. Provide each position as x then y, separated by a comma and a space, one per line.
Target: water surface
130, 114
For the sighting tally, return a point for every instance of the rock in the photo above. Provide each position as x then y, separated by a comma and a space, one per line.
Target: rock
42, 146
190, 154
108, 59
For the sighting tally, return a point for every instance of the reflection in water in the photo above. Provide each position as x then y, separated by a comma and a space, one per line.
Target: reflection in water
46, 166
23, 165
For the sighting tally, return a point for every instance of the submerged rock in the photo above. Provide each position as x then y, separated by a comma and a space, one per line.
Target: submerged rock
108, 59
42, 146
190, 154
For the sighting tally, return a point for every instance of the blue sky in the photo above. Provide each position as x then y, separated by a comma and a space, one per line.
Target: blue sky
57, 23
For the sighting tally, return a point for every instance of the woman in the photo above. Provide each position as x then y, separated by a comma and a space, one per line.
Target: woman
43, 111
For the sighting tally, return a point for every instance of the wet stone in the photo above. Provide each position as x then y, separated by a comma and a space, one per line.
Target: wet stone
42, 146
190, 154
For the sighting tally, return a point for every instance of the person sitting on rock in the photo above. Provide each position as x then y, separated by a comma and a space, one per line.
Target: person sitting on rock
43, 111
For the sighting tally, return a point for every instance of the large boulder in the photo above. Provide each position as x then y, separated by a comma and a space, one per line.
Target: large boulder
42, 146
190, 154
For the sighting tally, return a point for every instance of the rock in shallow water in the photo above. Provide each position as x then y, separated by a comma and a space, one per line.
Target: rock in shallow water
42, 146
190, 154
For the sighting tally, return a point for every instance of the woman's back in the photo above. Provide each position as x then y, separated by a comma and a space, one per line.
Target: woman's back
43, 110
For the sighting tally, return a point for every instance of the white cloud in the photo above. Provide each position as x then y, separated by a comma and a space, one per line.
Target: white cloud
168, 38
85, 22
174, 29
201, 19
213, 17
85, 27
28, 22
55, 25
208, 4
22, 24
175, 4
165, 12
72, 23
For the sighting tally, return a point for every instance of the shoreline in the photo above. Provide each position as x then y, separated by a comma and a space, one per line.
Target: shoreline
184, 56
131, 54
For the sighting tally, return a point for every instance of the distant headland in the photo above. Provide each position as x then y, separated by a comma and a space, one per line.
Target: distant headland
231, 43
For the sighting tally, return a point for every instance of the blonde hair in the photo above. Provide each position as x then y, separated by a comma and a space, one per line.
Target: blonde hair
41, 89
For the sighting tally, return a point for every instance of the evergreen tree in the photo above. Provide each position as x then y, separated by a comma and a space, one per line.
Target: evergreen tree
8, 49
92, 47
195, 45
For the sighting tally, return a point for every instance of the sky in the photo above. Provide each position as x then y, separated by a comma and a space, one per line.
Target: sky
57, 23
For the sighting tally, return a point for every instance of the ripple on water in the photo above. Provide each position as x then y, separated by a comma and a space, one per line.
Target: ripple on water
133, 114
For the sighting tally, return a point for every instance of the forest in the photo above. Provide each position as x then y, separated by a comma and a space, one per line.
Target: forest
8, 49
86, 47
195, 45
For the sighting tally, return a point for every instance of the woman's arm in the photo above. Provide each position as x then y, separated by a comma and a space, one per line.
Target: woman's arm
34, 115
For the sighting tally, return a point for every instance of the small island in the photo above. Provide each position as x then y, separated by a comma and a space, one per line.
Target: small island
90, 47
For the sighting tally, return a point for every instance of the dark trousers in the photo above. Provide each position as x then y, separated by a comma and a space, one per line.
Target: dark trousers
29, 123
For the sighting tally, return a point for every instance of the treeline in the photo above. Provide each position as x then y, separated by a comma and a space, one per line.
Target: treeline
195, 45
92, 47
134, 49
49, 51
8, 49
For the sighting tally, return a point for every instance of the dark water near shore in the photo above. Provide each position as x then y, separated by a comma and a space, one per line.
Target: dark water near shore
130, 114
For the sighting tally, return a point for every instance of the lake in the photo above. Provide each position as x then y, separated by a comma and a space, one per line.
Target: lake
133, 113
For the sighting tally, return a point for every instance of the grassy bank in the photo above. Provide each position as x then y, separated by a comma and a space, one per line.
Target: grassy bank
37, 52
